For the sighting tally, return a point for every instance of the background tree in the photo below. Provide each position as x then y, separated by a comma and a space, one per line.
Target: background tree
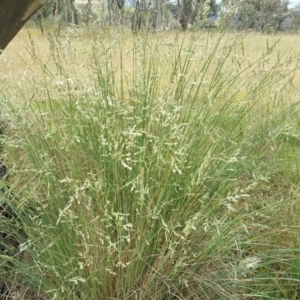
64, 10
187, 11
157, 15
262, 15
73, 12
294, 19
115, 11
88, 11
152, 14
142, 8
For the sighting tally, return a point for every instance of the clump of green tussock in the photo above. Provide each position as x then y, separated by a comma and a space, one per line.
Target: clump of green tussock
158, 184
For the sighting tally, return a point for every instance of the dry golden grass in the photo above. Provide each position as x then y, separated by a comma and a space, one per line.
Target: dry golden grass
21, 76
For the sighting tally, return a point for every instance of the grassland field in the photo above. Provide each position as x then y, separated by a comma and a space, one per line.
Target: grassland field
150, 166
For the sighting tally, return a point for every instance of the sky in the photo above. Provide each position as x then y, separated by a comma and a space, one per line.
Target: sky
294, 2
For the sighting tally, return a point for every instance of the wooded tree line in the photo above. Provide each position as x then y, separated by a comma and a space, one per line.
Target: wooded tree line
263, 15
259, 15
139, 14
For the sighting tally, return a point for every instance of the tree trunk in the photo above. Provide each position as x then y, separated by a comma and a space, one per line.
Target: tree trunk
88, 11
111, 12
157, 15
13, 16
74, 19
186, 13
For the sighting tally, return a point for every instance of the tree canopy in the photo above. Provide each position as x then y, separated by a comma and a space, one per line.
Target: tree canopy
262, 15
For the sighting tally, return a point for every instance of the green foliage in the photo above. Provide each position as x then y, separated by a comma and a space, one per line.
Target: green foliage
294, 23
264, 16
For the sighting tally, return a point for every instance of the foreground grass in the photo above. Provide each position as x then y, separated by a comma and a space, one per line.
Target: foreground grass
153, 169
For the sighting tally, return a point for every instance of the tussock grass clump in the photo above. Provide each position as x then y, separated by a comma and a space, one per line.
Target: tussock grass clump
153, 177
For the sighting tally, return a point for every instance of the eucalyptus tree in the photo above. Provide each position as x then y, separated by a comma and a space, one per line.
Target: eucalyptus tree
158, 14
88, 10
13, 16
153, 14
73, 12
64, 10
188, 11
115, 11
295, 18
141, 8
262, 15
